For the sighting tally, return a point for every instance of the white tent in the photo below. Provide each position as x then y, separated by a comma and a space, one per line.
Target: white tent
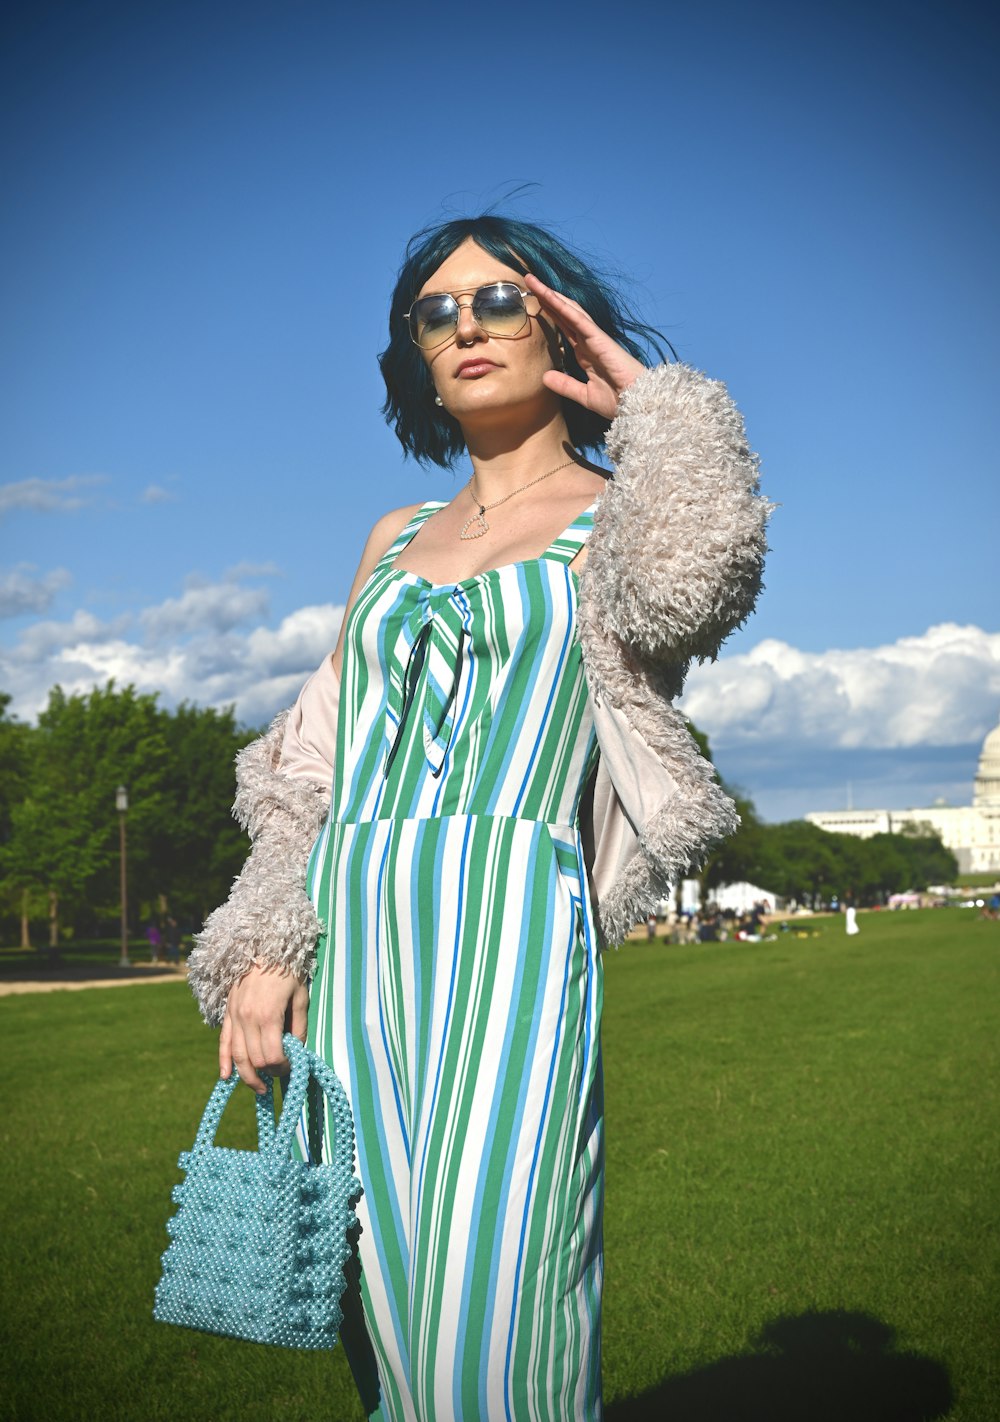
742, 897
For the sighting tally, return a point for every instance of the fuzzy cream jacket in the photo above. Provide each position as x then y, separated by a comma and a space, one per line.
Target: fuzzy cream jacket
673, 565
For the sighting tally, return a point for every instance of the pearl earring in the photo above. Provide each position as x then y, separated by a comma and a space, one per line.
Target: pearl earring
438, 400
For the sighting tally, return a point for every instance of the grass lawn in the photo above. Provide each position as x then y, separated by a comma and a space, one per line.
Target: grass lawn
802, 1167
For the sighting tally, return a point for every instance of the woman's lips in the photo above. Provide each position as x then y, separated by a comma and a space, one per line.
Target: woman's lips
472, 369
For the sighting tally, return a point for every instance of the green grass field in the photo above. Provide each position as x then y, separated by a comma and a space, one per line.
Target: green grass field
801, 1217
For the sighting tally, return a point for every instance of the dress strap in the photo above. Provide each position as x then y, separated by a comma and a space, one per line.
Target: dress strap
403, 537
568, 544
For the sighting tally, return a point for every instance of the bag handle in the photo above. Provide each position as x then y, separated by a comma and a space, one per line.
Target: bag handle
221, 1092
305, 1064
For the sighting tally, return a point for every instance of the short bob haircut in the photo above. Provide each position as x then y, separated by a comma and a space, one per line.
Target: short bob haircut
426, 431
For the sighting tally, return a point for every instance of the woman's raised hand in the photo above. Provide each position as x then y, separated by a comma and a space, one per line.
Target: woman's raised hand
609, 368
264, 1005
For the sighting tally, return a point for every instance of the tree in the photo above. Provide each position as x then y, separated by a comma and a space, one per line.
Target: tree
64, 838
798, 860
928, 860
19, 891
59, 827
197, 846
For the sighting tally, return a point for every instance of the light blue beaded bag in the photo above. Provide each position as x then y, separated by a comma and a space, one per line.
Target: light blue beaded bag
259, 1241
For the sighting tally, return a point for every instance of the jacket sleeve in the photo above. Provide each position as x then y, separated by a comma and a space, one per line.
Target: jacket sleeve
283, 784
680, 535
674, 564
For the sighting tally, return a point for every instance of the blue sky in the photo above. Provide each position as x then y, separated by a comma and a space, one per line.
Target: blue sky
207, 204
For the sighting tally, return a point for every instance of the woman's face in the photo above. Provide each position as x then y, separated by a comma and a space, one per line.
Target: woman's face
481, 375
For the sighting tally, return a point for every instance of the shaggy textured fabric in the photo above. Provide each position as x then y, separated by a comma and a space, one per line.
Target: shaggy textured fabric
680, 534
673, 566
268, 918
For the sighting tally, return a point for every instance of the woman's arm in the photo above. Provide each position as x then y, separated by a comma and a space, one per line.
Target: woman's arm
269, 916
257, 950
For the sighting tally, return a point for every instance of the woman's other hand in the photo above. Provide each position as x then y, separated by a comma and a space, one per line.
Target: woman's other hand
264, 1005
609, 368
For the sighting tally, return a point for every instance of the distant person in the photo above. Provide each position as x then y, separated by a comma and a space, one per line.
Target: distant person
651, 926
851, 920
173, 939
155, 938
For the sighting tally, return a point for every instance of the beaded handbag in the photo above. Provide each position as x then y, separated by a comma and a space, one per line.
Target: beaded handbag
259, 1241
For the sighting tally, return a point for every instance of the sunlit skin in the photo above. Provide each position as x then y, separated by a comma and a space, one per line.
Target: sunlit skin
514, 430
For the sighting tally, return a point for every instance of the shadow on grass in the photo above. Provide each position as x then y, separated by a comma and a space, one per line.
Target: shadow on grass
817, 1367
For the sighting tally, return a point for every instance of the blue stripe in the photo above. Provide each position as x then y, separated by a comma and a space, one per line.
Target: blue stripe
543, 1121
356, 1020
553, 685
401, 1114
509, 717
517, 1007
465, 608
444, 1030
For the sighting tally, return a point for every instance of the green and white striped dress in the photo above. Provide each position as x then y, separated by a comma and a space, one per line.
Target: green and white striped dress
458, 990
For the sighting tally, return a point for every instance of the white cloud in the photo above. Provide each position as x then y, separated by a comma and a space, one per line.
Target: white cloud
50, 495
157, 494
22, 592
302, 639
214, 607
941, 688
46, 639
210, 645
251, 570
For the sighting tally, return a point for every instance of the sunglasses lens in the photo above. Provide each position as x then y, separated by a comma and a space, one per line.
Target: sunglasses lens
500, 309
433, 319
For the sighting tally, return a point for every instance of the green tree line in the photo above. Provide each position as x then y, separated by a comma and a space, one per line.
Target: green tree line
798, 860
59, 828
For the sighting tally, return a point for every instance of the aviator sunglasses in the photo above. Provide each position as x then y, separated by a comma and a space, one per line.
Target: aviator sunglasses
498, 308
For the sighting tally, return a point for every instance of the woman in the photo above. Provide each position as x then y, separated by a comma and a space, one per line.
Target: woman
511, 790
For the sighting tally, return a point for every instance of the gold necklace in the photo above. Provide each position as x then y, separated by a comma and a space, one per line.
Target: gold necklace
480, 518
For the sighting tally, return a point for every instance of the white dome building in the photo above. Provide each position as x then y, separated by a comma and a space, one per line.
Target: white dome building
971, 832
986, 794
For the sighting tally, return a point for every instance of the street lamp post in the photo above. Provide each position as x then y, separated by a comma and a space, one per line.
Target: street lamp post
121, 805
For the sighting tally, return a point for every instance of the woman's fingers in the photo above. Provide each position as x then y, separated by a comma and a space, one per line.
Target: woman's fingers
254, 1026
225, 1048
561, 384
569, 315
299, 1013
609, 367
246, 1052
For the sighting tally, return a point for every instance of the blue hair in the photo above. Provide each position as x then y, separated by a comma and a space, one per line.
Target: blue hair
429, 433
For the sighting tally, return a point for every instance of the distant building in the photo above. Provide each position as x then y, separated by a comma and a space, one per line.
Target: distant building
971, 832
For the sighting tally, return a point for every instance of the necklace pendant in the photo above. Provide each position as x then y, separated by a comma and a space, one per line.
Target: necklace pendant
479, 519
